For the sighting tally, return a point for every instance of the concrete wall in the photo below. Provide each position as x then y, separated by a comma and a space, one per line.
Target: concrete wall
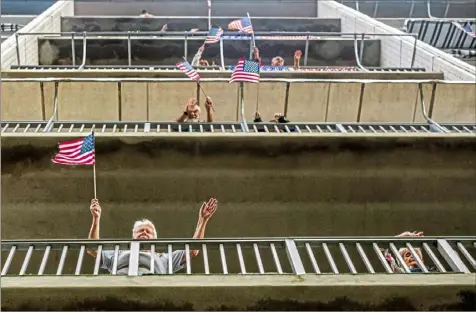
304, 101
397, 51
113, 51
396, 9
305, 8
296, 187
48, 21
105, 23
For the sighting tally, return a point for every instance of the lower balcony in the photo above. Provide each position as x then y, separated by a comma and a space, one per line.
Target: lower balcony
305, 273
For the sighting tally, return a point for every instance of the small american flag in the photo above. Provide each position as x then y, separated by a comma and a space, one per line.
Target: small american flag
243, 25
188, 70
214, 35
467, 28
76, 152
246, 71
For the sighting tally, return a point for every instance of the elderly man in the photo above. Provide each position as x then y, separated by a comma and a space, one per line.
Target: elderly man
144, 229
191, 112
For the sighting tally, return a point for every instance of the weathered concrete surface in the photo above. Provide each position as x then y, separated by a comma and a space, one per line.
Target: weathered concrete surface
162, 101
103, 23
305, 8
265, 188
396, 9
113, 51
268, 297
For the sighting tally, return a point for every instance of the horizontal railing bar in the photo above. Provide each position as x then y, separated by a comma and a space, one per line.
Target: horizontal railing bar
196, 243
360, 81
78, 35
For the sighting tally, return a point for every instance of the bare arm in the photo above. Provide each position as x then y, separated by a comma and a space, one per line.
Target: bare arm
182, 118
210, 109
94, 231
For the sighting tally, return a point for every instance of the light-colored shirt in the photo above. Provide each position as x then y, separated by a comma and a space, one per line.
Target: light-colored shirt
161, 262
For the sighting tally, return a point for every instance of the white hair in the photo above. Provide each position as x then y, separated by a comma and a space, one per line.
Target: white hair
139, 223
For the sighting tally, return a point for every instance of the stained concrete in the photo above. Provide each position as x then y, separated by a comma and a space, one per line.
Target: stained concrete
104, 23
265, 188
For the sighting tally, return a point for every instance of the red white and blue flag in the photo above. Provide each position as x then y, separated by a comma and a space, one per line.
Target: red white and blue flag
214, 35
76, 152
243, 25
467, 28
246, 71
188, 70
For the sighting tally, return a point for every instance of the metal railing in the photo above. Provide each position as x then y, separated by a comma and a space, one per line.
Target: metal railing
200, 35
167, 127
412, 3
246, 256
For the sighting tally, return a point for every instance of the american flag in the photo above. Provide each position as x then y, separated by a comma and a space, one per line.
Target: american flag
188, 70
214, 35
243, 25
76, 152
246, 71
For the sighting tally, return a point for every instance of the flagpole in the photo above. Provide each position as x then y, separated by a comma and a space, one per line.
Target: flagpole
209, 14
242, 103
252, 30
222, 57
94, 174
203, 90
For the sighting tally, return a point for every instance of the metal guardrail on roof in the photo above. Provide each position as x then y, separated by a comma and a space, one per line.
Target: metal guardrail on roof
263, 70
200, 35
228, 128
306, 255
443, 34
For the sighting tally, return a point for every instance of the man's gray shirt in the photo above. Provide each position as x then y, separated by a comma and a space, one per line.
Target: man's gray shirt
161, 262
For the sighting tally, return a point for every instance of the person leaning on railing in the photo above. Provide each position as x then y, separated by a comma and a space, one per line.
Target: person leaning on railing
406, 256
145, 229
278, 61
191, 112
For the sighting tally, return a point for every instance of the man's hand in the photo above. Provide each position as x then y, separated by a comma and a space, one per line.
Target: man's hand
256, 52
208, 102
95, 209
208, 209
194, 30
297, 55
164, 28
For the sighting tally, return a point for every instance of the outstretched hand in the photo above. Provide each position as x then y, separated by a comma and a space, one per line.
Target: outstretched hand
410, 234
208, 209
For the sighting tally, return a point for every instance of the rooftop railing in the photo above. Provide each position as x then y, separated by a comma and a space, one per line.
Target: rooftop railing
200, 35
249, 256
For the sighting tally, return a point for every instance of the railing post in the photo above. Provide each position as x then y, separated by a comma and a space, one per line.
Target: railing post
185, 46
73, 50
306, 50
294, 258
129, 49
17, 48
134, 258
451, 256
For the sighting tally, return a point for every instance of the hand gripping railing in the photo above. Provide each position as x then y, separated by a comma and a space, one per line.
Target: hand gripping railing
246, 256
200, 35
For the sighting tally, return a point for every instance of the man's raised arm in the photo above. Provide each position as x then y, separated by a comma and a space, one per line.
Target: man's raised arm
206, 212
94, 231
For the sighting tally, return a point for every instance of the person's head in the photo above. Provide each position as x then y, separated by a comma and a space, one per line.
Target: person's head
144, 229
144, 12
193, 109
277, 61
408, 257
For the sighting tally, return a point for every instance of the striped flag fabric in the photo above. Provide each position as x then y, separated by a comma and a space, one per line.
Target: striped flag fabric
246, 71
76, 152
214, 35
188, 70
243, 25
